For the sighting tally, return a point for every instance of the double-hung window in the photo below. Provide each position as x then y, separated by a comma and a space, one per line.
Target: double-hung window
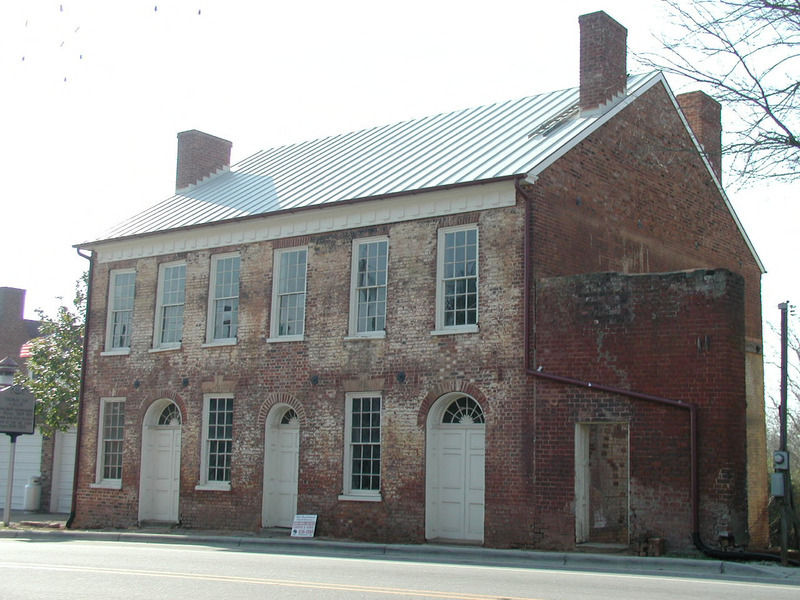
368, 287
289, 294
223, 305
169, 307
121, 288
362, 461
215, 464
110, 439
457, 280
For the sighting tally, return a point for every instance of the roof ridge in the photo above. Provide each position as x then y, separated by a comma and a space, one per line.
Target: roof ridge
488, 142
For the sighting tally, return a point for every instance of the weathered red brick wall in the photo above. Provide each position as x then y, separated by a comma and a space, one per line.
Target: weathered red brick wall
635, 197
489, 364
641, 332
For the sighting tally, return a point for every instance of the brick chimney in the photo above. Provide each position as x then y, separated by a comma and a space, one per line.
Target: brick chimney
12, 303
200, 155
603, 63
705, 118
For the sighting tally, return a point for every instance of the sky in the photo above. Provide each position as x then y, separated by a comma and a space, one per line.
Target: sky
95, 92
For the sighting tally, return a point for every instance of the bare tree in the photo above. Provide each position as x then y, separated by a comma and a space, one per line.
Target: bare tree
748, 53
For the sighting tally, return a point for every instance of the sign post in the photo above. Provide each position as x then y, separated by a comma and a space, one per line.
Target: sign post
10, 484
17, 410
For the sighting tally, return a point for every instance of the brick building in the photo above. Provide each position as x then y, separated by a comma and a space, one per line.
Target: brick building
530, 324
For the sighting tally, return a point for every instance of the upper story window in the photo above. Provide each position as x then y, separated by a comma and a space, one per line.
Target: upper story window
289, 294
368, 287
121, 288
457, 280
223, 309
169, 305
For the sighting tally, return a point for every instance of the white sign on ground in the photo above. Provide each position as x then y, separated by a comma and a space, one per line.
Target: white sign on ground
304, 525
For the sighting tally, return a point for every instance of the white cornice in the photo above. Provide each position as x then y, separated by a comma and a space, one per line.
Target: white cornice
320, 219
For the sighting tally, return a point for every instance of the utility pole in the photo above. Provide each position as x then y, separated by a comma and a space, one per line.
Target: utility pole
781, 458
782, 477
784, 308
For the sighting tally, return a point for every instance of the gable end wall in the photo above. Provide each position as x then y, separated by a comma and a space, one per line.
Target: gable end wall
635, 197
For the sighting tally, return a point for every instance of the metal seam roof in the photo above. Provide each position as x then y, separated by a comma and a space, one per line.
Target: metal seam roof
466, 146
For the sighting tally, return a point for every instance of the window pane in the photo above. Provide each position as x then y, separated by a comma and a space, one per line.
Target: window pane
113, 426
460, 278
291, 293
370, 286
226, 298
365, 436
219, 444
173, 295
121, 309
463, 410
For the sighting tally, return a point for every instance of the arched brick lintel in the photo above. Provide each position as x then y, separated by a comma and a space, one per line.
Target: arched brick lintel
275, 399
448, 387
162, 395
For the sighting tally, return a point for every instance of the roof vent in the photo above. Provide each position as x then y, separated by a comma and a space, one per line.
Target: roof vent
551, 125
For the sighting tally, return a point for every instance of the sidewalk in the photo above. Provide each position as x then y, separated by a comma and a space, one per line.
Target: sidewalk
43, 526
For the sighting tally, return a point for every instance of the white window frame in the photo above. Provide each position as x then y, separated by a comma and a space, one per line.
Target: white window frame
100, 480
441, 328
160, 306
213, 299
277, 295
355, 289
348, 492
204, 482
112, 312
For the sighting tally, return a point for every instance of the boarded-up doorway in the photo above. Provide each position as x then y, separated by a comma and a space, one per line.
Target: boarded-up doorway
601, 483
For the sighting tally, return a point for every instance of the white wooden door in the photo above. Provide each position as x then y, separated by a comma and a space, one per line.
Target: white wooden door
452, 497
281, 474
474, 489
160, 485
459, 499
63, 471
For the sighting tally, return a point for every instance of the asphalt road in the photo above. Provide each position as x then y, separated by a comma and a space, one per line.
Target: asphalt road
78, 569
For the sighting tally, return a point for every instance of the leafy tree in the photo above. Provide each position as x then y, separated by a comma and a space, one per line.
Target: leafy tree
748, 53
55, 364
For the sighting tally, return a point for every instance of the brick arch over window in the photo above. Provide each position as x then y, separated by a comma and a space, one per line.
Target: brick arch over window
287, 399
448, 387
161, 395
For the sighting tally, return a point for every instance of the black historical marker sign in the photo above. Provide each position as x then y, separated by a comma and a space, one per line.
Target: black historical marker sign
17, 409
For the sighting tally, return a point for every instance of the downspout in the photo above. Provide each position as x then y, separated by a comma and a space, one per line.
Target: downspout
692, 408
90, 258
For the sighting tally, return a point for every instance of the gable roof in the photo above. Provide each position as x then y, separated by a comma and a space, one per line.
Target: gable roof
495, 142
489, 143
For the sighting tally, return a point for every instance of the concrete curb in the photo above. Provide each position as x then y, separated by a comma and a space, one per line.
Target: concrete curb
762, 572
